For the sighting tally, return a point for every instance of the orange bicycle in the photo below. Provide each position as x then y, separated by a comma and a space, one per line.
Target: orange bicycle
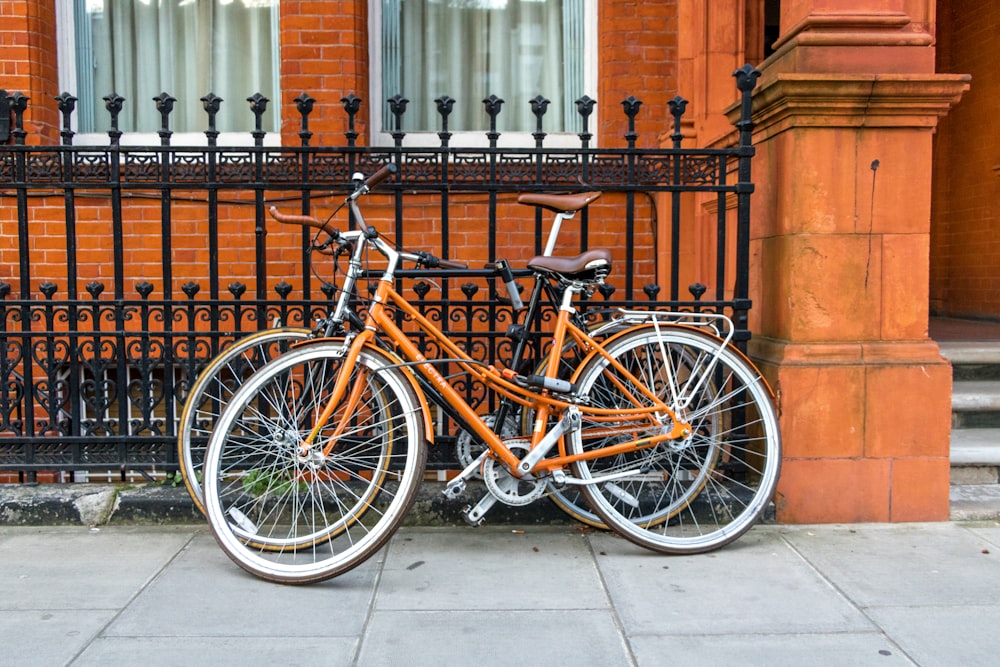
208, 395
667, 430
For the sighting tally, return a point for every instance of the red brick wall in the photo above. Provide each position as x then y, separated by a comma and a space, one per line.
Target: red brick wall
324, 48
324, 52
637, 47
28, 60
965, 227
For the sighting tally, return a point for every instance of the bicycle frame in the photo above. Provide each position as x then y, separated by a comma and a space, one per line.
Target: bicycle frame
543, 438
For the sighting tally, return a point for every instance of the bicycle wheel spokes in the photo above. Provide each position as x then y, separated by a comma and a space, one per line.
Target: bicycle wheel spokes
700, 492
212, 391
292, 513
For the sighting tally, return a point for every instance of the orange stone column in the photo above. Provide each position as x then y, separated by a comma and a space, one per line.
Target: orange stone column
844, 112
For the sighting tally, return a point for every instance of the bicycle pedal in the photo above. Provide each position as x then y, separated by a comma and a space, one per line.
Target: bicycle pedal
454, 489
467, 515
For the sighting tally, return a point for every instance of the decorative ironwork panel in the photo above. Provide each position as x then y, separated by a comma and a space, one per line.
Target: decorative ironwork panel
188, 167
44, 167
423, 168
326, 168
142, 167
91, 167
698, 170
94, 375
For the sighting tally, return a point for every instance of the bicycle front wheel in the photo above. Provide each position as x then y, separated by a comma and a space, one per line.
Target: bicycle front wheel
211, 392
299, 516
689, 495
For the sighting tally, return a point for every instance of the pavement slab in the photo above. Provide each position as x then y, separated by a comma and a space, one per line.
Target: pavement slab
866, 594
756, 586
490, 568
204, 585
902, 564
82, 568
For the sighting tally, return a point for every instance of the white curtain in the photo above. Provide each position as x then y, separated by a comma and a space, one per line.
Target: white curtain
186, 48
471, 49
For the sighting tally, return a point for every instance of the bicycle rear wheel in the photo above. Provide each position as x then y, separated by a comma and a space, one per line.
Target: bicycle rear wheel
572, 499
213, 389
689, 495
294, 517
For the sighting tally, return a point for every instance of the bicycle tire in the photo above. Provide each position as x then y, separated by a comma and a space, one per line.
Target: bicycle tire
292, 519
213, 389
707, 489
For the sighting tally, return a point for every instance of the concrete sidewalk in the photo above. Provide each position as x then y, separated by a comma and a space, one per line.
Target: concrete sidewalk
926, 594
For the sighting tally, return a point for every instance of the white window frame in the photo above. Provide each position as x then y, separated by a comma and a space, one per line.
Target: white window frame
66, 63
476, 139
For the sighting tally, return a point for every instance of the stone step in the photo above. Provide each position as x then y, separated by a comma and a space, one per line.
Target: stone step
975, 446
975, 404
975, 502
962, 353
975, 456
973, 360
975, 433
975, 396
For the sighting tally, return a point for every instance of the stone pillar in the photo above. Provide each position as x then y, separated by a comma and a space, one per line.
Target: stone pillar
844, 112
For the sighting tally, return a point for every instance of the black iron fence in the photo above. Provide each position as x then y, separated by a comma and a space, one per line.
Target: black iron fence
93, 375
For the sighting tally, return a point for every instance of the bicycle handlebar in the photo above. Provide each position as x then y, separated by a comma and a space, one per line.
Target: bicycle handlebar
448, 264
381, 175
307, 220
433, 262
375, 179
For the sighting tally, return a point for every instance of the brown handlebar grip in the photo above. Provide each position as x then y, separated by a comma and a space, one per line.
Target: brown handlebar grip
381, 175
306, 220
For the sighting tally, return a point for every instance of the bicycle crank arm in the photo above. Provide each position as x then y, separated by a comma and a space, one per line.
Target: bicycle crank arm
474, 515
569, 422
457, 485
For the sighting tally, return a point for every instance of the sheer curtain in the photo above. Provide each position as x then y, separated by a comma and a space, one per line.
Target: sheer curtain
186, 48
471, 49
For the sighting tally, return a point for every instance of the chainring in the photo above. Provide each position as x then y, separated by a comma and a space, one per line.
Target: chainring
509, 489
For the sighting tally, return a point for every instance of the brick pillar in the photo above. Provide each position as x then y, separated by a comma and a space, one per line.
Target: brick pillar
845, 112
324, 53
28, 36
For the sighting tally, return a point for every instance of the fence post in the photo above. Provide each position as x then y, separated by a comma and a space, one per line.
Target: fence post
746, 80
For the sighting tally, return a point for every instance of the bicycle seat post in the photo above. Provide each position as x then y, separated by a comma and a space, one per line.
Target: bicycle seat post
550, 243
564, 206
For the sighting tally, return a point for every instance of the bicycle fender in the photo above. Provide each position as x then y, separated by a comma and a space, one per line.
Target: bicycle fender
699, 331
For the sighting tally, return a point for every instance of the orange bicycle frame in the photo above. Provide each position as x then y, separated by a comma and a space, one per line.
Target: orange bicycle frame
544, 404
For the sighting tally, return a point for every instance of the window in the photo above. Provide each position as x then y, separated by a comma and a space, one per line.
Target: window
471, 49
186, 48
